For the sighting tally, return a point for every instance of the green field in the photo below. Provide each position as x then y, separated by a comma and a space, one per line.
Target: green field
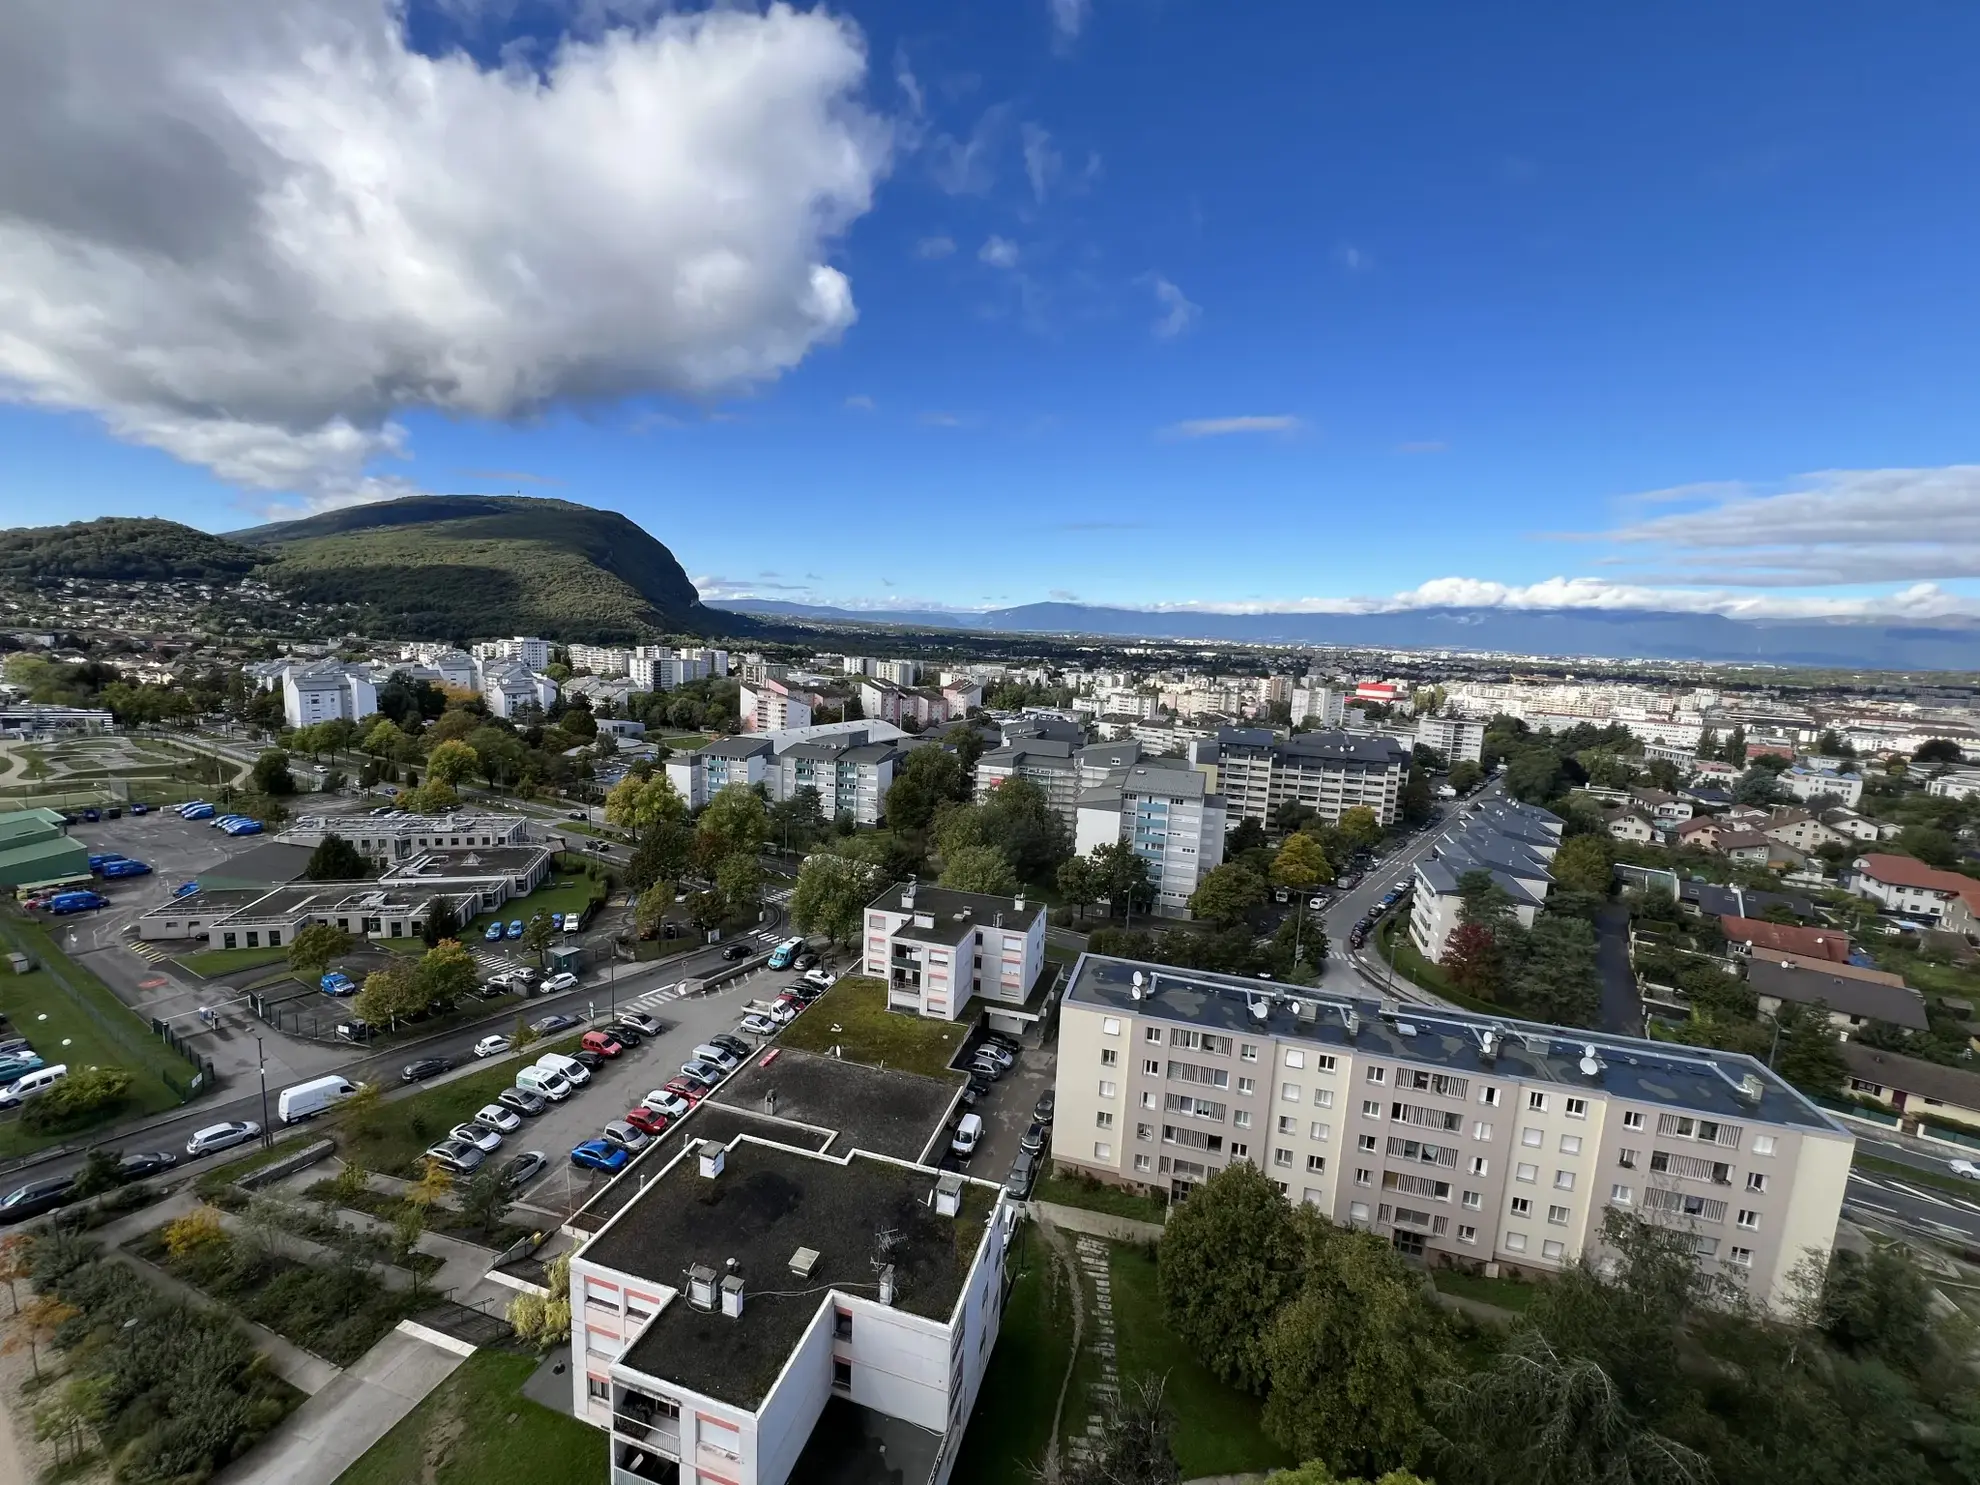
1116, 1201
562, 893
1006, 1433
868, 1032
1507, 1294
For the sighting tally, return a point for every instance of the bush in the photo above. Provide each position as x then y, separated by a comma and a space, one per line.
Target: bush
77, 1101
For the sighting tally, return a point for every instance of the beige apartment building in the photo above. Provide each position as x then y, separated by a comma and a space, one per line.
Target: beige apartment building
1461, 1138
1331, 772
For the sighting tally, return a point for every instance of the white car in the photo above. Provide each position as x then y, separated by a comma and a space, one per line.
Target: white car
556, 982
663, 1102
821, 977
479, 1135
757, 1025
491, 1046
498, 1118
1965, 1168
222, 1137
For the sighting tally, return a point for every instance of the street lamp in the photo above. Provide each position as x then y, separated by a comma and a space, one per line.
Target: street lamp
261, 1066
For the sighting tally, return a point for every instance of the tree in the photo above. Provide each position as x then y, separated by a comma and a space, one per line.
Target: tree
734, 822
1534, 775
1359, 828
1248, 835
1466, 776
451, 762
545, 1320
99, 1173
446, 972
1757, 786
388, 994
1415, 803
36, 1325
1937, 750
335, 860
980, 869
384, 740
662, 854
1227, 1263
1556, 978
485, 1199
1228, 895
1124, 874
1133, 1447
831, 896
1315, 1472
651, 910
739, 879
433, 1187
799, 820
1585, 863
638, 804
1472, 959
1930, 845
1301, 864
271, 774
362, 1110
1807, 1055
1482, 901
928, 778
536, 935
1351, 1360
316, 944
1079, 883
16, 1263
1877, 1304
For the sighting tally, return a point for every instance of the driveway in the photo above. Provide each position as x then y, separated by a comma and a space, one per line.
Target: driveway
1622, 1008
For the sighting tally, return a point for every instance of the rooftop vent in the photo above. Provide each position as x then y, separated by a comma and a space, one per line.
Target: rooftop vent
804, 1261
948, 1194
1352, 1021
887, 1284
732, 1296
1405, 1028
713, 1158
1751, 1088
1391, 1007
701, 1287
1019, 901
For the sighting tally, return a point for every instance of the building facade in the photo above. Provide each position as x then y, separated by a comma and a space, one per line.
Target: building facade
1459, 740
1330, 772
772, 706
938, 950
1515, 843
325, 691
1167, 816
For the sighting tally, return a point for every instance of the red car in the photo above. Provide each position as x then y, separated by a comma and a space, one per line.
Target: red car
603, 1043
795, 1002
647, 1121
686, 1088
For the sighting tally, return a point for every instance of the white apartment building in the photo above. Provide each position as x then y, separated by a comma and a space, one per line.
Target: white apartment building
699, 776
751, 1289
1512, 841
772, 706
1046, 762
1168, 817
1319, 706
533, 653
1808, 783
852, 775
1458, 740
898, 672
1962, 783
509, 687
325, 691
1462, 1139
601, 659
939, 949
1331, 772
758, 758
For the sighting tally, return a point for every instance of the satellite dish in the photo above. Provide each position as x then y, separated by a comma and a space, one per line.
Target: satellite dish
1590, 1067
1137, 979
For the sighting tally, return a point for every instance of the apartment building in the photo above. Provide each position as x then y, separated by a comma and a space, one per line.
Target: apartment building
1458, 740
1513, 842
1809, 783
531, 653
852, 776
699, 776
1331, 772
1047, 762
898, 672
399, 836
1462, 1139
1169, 818
753, 1294
772, 706
925, 706
325, 691
938, 950
1961, 783
600, 659
1318, 706
510, 688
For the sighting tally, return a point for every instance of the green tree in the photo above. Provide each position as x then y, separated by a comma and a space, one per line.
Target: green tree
739, 879
1415, 803
638, 804
388, 994
1359, 828
434, 797
798, 821
736, 821
451, 762
928, 778
537, 934
1556, 978
1807, 1054
651, 910
1937, 750
662, 854
1877, 1304
1079, 883
980, 869
1228, 895
446, 972
1124, 876
831, 896
1930, 845
1584, 864
1534, 775
335, 860
1228, 1262
384, 740
315, 945
1301, 864
485, 1200
1466, 776
271, 774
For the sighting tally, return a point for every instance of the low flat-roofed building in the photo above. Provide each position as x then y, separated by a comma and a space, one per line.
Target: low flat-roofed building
1850, 1001
1460, 1138
398, 836
1912, 1085
881, 1110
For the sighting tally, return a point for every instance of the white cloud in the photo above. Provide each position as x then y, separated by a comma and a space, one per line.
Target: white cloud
860, 402
934, 247
1069, 18
1352, 258
999, 252
1177, 313
1219, 427
968, 167
253, 232
942, 420
1042, 163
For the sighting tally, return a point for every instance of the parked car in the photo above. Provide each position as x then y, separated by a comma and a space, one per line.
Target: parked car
969, 1132
626, 1135
29, 1084
563, 980
222, 1137
1024, 1171
603, 1043
425, 1067
703, 1071
480, 1136
1034, 1137
641, 1022
491, 1046
824, 979
137, 1165
1001, 1054
514, 929
757, 1024
600, 1155
650, 1122
521, 1169
988, 1067
732, 1043
1966, 1169
504, 1121
673, 1105
722, 1057
684, 1088
550, 1025
525, 1102
456, 1157
36, 1198
623, 1033
573, 1070
20, 1066
354, 1031
545, 1083
492, 933
736, 951
1046, 1106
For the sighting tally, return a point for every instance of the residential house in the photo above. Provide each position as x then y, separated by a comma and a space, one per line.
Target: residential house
1808, 783
1911, 1085
1632, 825
1852, 826
1750, 846
1849, 1000
1513, 842
1800, 829
1665, 809
1760, 936
939, 949
1702, 832
1711, 900
1908, 887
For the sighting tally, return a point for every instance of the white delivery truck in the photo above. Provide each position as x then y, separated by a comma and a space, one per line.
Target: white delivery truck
307, 1100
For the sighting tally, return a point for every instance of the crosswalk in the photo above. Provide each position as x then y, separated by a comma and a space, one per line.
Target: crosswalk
150, 953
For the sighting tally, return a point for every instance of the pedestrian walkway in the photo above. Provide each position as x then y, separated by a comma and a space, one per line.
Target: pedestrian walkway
1104, 1396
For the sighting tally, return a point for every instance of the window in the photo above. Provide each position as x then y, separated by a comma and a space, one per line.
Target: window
1319, 1133
1621, 1195
1633, 1119
1141, 1162
1489, 1097
1480, 1165
1371, 1108
1282, 1157
1570, 1144
1363, 1178
1247, 1051
1357, 1211
1289, 1093
1107, 1089
598, 1389
1150, 1068
1316, 1164
1577, 1108
1295, 1057
842, 1325
1378, 1075
1110, 1025
1241, 1118
1102, 1150
1552, 1249
1467, 1234
1740, 1257
1247, 1085
1749, 1219
1366, 1144
842, 1375
1151, 1034
1288, 1124
1148, 1100
1522, 1206
1537, 1102
1144, 1131
1515, 1242
1323, 1098
1323, 1062
1240, 1151
1763, 1144
1473, 1201
1626, 1159
1104, 1119
1533, 1138
1564, 1180
1526, 1173
1481, 1131
1109, 1056
1558, 1216
1755, 1181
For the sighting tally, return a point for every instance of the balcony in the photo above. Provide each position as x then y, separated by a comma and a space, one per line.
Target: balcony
630, 1462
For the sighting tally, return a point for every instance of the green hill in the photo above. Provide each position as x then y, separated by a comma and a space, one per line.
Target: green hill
456, 566
126, 548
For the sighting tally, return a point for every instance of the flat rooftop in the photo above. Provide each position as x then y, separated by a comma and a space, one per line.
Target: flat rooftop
705, 1121
768, 1202
465, 865
1697, 1079
881, 1110
946, 905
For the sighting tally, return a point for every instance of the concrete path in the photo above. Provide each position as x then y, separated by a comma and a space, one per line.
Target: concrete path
326, 1435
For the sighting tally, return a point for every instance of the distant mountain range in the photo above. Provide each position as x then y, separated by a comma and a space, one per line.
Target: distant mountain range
1643, 634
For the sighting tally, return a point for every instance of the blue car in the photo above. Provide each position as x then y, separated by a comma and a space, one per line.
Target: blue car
494, 932
91, 815
557, 920
600, 1155
515, 928
140, 809
185, 889
338, 983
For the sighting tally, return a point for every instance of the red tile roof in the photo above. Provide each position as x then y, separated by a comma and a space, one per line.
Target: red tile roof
1908, 871
1816, 943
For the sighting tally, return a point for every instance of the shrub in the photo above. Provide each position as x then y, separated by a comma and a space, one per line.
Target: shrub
82, 1098
187, 1236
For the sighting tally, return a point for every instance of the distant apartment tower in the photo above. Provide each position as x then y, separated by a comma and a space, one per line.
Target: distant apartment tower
600, 659
511, 687
1461, 1139
1458, 740
1330, 772
771, 706
327, 691
1167, 816
534, 654
1046, 762
900, 672
1317, 706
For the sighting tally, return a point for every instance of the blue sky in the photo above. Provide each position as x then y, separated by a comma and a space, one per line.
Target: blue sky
1134, 301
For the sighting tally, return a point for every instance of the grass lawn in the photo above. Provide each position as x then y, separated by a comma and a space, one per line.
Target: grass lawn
562, 893
1393, 943
72, 1017
1013, 1413
1216, 1430
1507, 1294
403, 1128
476, 1428
210, 964
1116, 1201
1938, 1180
868, 1032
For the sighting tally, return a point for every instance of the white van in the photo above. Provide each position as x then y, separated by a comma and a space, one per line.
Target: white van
307, 1100
568, 1068
543, 1082
29, 1084
969, 1129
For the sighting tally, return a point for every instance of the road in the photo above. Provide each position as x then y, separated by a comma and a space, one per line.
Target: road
1875, 1196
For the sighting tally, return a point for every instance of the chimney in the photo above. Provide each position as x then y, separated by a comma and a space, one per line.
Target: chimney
713, 1157
887, 1285
732, 1296
1751, 1088
804, 1261
1019, 901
